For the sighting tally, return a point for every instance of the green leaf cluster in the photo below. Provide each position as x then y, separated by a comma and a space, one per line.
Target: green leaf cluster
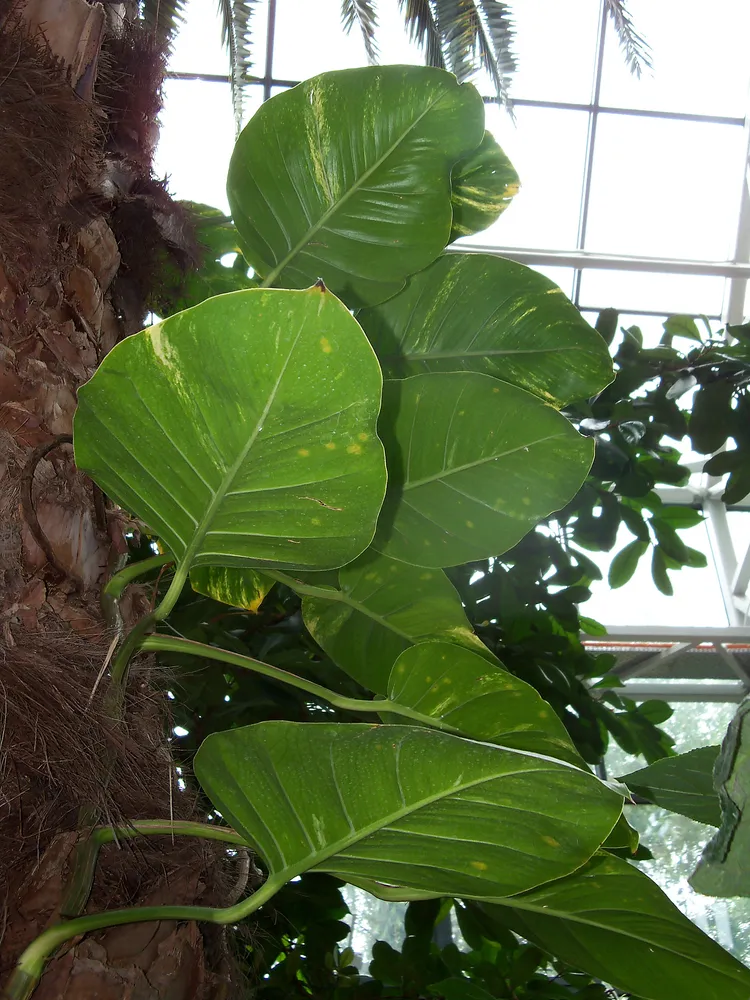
375, 413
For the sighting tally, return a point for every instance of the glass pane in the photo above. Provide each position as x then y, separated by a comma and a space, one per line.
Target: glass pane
371, 919
555, 48
699, 55
665, 188
198, 47
393, 41
547, 148
659, 293
697, 597
310, 39
197, 137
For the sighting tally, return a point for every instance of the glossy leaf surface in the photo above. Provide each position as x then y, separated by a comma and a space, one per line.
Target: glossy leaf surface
483, 701
683, 784
404, 804
380, 608
478, 312
613, 921
723, 869
347, 178
473, 464
484, 184
242, 431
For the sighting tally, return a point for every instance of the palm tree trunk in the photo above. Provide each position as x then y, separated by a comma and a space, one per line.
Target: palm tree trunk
66, 298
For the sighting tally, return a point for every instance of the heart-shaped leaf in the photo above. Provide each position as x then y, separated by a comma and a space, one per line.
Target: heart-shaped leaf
473, 464
477, 312
347, 177
242, 431
379, 608
404, 804
484, 184
480, 699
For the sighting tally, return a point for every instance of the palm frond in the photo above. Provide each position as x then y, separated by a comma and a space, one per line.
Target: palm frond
163, 17
477, 34
635, 48
362, 12
236, 31
422, 26
500, 63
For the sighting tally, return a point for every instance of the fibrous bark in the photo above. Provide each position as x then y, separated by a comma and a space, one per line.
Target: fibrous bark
70, 167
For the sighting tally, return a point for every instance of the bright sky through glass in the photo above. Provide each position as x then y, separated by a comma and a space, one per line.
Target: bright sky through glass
659, 187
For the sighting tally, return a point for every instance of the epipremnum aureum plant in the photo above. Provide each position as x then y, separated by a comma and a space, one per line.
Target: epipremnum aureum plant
255, 435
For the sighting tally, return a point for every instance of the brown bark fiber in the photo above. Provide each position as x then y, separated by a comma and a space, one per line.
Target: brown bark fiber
64, 303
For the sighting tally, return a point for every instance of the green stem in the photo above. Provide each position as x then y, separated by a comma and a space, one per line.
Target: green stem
31, 963
87, 850
167, 828
174, 644
117, 583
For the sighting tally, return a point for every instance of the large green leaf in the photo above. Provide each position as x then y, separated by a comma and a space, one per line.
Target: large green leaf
347, 177
724, 869
473, 464
480, 699
615, 923
242, 431
612, 921
484, 184
380, 608
404, 804
683, 784
478, 312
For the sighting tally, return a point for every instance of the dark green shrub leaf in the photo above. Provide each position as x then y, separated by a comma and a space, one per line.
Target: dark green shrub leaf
683, 784
682, 326
625, 563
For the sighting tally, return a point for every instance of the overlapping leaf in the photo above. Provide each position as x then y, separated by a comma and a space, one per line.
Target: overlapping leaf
613, 921
473, 464
380, 608
242, 431
480, 699
683, 784
347, 178
478, 312
404, 805
484, 184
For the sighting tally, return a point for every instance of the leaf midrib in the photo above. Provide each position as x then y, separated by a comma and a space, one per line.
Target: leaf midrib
331, 211
382, 823
202, 527
444, 473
